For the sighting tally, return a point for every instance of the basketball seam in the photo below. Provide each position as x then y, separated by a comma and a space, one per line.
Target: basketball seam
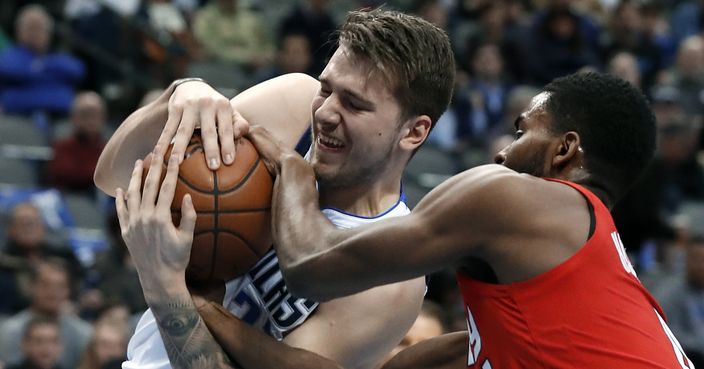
238, 235
238, 211
245, 179
241, 183
216, 225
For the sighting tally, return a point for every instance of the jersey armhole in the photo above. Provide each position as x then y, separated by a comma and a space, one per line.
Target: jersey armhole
592, 219
304, 143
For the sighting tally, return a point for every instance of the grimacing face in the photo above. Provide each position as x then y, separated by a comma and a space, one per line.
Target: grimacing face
528, 152
356, 124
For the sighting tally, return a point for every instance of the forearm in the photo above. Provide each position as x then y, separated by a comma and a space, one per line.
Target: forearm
448, 351
134, 139
252, 349
186, 338
296, 212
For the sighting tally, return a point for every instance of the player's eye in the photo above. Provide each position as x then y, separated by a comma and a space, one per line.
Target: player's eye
519, 133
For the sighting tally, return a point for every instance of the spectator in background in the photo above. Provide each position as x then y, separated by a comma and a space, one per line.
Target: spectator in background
682, 299
103, 24
50, 298
688, 74
656, 28
434, 11
644, 213
293, 55
117, 279
625, 66
233, 34
626, 35
168, 43
313, 19
481, 104
32, 78
41, 345
108, 343
27, 240
687, 19
75, 157
563, 42
493, 27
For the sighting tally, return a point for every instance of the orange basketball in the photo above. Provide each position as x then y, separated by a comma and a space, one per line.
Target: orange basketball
233, 203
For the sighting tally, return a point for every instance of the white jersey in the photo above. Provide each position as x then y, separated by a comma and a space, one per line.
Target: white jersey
259, 298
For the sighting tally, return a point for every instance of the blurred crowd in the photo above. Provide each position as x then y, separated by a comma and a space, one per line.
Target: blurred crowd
72, 70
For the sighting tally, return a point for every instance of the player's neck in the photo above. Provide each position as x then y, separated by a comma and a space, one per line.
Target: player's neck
367, 201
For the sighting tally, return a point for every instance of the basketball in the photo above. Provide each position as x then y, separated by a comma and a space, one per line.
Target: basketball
233, 206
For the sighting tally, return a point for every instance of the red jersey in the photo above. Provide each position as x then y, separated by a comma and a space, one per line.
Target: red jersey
591, 311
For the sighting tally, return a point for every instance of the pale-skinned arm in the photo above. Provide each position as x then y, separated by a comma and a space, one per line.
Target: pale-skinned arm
281, 104
252, 349
358, 331
160, 252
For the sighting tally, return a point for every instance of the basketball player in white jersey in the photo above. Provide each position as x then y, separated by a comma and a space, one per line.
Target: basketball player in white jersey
365, 128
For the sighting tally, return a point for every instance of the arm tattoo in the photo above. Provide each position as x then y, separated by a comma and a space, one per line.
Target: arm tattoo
188, 342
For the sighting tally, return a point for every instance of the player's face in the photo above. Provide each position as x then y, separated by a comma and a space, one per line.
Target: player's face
528, 153
356, 124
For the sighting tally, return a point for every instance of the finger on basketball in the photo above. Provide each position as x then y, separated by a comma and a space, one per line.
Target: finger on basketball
172, 122
225, 131
209, 134
151, 183
134, 195
168, 186
184, 132
121, 207
267, 147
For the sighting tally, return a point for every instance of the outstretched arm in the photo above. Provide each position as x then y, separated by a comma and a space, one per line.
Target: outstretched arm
321, 262
282, 105
448, 351
160, 252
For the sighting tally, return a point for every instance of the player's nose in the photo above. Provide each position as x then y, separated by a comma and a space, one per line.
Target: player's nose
328, 113
500, 157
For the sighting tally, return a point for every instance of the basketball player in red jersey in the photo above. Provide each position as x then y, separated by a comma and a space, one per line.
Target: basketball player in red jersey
543, 272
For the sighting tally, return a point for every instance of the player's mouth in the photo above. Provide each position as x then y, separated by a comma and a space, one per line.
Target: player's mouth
331, 144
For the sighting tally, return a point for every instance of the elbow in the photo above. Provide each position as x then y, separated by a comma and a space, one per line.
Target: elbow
101, 180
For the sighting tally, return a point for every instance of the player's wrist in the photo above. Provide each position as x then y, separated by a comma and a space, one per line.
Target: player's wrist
163, 285
182, 81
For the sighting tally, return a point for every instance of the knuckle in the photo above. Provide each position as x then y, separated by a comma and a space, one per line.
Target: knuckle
176, 106
223, 103
205, 101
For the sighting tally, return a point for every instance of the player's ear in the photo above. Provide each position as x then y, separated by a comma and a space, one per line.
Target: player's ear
568, 150
414, 132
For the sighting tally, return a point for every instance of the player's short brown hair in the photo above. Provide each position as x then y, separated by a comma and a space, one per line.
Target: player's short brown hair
412, 55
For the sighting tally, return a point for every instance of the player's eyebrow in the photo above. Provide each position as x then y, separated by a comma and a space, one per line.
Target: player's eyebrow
350, 93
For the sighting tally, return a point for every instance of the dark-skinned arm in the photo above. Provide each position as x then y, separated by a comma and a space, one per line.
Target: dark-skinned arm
448, 351
322, 262
253, 349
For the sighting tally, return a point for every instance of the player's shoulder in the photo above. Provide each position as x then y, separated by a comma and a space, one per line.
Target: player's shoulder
497, 183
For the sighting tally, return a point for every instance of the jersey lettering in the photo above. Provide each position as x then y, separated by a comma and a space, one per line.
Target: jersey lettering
625, 261
475, 342
266, 301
